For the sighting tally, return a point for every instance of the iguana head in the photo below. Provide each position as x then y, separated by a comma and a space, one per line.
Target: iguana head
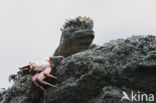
77, 35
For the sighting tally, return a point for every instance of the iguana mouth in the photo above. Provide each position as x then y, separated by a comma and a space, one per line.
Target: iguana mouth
89, 33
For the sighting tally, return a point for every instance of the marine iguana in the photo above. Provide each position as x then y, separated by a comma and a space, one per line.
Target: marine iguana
77, 35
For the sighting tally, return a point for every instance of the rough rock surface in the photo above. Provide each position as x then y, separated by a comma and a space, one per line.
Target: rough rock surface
97, 75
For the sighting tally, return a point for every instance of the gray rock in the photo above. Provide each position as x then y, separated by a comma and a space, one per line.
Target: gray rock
2, 92
97, 75
125, 64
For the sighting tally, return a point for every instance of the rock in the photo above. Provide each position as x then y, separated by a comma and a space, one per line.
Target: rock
125, 64
22, 91
97, 75
2, 92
